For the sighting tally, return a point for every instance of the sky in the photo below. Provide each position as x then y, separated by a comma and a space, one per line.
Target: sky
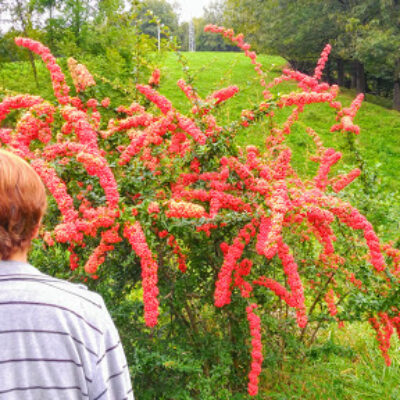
188, 9
191, 8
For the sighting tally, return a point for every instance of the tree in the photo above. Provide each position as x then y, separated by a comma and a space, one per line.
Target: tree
213, 14
22, 14
51, 22
77, 14
183, 36
364, 35
162, 10
379, 46
297, 30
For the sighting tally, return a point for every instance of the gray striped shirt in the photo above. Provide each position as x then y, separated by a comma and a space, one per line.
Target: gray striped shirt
57, 340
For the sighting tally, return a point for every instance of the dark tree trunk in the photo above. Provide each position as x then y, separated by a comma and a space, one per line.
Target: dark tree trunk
353, 83
51, 27
360, 84
328, 72
25, 22
340, 72
396, 86
396, 95
379, 86
33, 65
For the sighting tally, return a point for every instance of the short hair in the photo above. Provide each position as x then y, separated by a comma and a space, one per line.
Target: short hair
22, 203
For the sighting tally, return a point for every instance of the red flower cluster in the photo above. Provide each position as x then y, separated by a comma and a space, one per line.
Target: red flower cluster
76, 121
278, 203
351, 217
97, 257
206, 228
57, 188
183, 209
132, 109
345, 180
35, 124
224, 94
153, 208
177, 250
243, 269
80, 75
301, 99
48, 239
347, 115
137, 239
222, 294
330, 302
186, 124
159, 100
96, 165
105, 102
155, 78
277, 288
384, 331
108, 239
60, 87
203, 107
17, 102
291, 270
322, 61
189, 92
329, 158
256, 349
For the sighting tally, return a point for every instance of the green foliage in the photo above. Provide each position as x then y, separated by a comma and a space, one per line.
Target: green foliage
344, 372
345, 367
364, 35
197, 351
163, 12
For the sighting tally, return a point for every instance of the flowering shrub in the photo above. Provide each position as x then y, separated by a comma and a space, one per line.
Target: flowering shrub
166, 183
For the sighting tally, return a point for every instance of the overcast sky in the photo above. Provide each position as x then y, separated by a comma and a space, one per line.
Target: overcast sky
191, 8
188, 9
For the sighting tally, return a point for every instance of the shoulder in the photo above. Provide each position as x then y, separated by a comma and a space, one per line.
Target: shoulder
74, 292
72, 300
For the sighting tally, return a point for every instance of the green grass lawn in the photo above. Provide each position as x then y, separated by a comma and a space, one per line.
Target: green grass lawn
348, 365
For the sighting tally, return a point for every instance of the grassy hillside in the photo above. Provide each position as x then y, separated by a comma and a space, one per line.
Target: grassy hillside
378, 145
376, 193
380, 126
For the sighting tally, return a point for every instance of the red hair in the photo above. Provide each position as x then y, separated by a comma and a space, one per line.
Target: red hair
22, 204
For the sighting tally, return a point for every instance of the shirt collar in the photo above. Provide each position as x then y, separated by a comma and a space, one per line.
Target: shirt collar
11, 267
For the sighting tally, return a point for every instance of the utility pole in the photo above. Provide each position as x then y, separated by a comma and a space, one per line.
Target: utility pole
192, 43
159, 36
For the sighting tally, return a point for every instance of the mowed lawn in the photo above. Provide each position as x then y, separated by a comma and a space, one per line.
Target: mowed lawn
347, 364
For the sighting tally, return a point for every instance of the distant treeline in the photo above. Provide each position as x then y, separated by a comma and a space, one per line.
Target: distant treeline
364, 34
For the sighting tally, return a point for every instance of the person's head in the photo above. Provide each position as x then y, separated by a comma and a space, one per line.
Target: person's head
22, 204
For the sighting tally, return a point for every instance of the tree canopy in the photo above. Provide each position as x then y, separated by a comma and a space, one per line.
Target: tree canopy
364, 35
